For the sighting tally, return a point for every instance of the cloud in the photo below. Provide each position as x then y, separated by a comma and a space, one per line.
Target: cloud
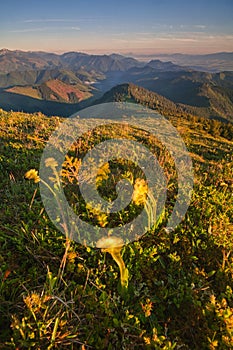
44, 29
199, 26
179, 39
182, 37
192, 26
48, 20
64, 20
75, 28
119, 34
28, 30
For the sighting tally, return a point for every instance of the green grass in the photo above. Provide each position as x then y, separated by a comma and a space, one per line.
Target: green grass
56, 294
25, 90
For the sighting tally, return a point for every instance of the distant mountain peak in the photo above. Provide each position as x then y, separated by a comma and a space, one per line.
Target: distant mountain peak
164, 66
4, 51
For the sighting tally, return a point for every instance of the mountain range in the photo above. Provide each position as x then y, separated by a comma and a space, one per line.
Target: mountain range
214, 62
62, 84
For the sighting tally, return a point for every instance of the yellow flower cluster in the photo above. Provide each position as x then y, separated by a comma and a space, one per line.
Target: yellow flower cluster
32, 174
70, 169
147, 307
101, 217
103, 173
35, 301
140, 192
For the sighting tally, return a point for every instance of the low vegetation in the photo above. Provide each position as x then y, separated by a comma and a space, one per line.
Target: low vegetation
134, 93
58, 294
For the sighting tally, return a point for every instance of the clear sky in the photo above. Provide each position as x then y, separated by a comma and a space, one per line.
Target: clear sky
138, 26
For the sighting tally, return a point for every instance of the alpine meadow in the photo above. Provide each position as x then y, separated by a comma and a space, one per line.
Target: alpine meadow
116, 173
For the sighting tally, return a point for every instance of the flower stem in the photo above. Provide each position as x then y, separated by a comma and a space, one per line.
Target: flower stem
116, 255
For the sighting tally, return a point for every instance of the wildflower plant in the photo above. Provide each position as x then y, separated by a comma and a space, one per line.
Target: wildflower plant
113, 246
91, 223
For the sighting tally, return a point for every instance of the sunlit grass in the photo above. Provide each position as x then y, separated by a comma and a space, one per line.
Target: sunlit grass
55, 293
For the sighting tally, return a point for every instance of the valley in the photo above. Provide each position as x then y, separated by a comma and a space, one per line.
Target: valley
74, 80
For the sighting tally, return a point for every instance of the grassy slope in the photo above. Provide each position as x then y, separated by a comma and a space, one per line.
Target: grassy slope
134, 93
25, 90
54, 90
180, 287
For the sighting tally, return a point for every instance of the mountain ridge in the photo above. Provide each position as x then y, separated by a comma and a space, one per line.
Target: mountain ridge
75, 76
23, 60
129, 92
212, 62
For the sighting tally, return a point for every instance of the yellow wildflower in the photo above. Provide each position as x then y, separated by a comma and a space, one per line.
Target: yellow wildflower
93, 211
110, 242
113, 245
213, 299
147, 340
147, 307
35, 301
71, 256
140, 191
51, 162
32, 174
102, 219
103, 173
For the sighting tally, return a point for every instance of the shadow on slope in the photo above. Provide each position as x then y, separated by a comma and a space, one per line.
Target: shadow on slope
15, 102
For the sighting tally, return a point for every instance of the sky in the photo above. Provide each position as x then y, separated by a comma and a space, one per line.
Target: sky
121, 26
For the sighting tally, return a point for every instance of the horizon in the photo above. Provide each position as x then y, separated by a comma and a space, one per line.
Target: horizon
136, 55
150, 27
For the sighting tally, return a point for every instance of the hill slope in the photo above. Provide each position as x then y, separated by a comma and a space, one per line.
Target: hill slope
33, 77
133, 93
54, 90
198, 89
180, 283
